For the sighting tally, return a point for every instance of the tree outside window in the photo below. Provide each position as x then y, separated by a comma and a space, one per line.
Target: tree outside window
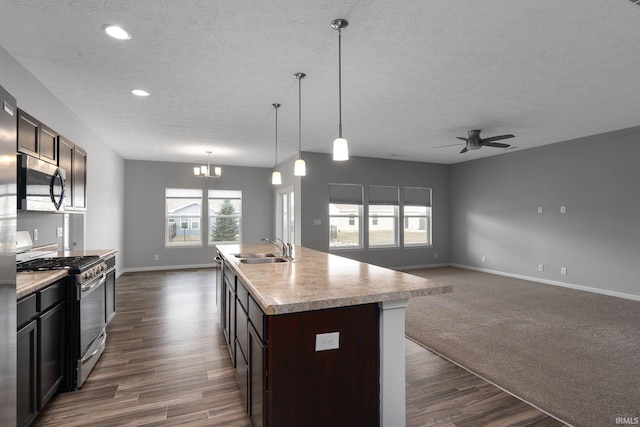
224, 216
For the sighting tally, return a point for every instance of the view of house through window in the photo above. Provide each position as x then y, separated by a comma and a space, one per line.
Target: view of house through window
383, 216
345, 216
417, 216
183, 211
224, 216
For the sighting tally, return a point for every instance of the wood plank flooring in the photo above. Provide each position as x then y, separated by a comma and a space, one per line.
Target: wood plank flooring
166, 364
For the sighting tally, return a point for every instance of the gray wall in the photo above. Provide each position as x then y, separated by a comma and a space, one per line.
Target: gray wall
145, 205
105, 168
494, 212
314, 202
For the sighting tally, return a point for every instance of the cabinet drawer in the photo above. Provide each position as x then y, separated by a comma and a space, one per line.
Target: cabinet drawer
243, 295
52, 295
26, 310
257, 317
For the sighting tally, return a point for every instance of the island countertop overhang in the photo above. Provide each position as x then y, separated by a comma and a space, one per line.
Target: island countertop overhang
317, 280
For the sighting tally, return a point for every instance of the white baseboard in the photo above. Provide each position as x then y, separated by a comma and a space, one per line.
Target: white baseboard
553, 282
417, 267
166, 267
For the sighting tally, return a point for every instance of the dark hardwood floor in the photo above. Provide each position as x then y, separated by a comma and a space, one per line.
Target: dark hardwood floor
166, 364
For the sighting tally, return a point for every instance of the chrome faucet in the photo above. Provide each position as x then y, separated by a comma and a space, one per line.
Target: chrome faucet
286, 250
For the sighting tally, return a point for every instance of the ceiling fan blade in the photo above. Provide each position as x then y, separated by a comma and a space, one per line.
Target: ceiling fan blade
464, 139
448, 145
497, 138
495, 144
464, 150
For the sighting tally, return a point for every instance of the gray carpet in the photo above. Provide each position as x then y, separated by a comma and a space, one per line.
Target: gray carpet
573, 354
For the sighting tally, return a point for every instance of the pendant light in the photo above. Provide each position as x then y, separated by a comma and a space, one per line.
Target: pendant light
276, 177
299, 168
340, 146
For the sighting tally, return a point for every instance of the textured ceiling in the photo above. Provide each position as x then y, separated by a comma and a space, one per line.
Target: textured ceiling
416, 73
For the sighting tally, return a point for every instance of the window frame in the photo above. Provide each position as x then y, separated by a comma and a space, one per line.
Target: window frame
379, 196
178, 220
428, 216
348, 195
220, 195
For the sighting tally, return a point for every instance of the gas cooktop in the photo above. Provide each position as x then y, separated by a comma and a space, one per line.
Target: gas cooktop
75, 264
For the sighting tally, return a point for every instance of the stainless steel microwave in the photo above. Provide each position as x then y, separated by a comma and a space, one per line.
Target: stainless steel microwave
40, 185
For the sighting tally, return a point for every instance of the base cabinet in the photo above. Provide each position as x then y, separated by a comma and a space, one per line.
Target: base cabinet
27, 392
42, 344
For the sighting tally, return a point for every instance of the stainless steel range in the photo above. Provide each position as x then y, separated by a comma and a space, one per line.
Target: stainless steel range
89, 306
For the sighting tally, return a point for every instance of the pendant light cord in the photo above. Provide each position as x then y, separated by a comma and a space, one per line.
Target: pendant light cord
276, 152
300, 116
340, 81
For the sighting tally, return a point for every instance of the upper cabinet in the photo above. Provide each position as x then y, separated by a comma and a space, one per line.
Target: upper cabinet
36, 139
39, 140
73, 160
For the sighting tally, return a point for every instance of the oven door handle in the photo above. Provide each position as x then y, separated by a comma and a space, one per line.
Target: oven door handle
88, 287
97, 348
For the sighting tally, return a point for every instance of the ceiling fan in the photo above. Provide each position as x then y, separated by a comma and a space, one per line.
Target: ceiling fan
474, 142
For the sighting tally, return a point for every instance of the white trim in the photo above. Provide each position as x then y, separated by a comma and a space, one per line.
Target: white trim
553, 282
417, 267
392, 363
167, 267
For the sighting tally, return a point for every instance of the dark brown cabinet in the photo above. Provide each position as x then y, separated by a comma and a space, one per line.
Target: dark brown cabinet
42, 342
257, 391
28, 134
79, 178
73, 160
36, 139
27, 392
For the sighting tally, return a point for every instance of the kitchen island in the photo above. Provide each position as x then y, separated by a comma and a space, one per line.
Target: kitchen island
320, 340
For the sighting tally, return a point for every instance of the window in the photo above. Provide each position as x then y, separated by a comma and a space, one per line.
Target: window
383, 216
225, 209
287, 225
345, 216
183, 209
417, 216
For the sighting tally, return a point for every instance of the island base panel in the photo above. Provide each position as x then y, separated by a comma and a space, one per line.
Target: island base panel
338, 387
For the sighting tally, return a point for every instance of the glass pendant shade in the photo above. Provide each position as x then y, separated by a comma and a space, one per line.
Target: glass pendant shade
299, 168
340, 149
217, 171
196, 170
276, 178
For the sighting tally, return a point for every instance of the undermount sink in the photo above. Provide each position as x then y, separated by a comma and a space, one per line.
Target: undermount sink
262, 260
255, 255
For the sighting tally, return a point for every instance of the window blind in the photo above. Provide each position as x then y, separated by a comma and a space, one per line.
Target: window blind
379, 195
417, 196
350, 194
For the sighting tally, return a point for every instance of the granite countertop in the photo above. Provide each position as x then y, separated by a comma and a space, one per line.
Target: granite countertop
318, 280
29, 282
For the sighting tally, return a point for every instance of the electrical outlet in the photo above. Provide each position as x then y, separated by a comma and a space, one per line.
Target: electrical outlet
484, 258
563, 271
156, 257
328, 341
435, 255
563, 209
59, 232
317, 222
35, 234
539, 209
540, 267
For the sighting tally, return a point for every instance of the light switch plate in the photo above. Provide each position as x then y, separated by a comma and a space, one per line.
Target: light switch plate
328, 341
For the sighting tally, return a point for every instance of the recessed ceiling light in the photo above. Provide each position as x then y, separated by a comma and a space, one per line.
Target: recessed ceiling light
140, 92
116, 32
